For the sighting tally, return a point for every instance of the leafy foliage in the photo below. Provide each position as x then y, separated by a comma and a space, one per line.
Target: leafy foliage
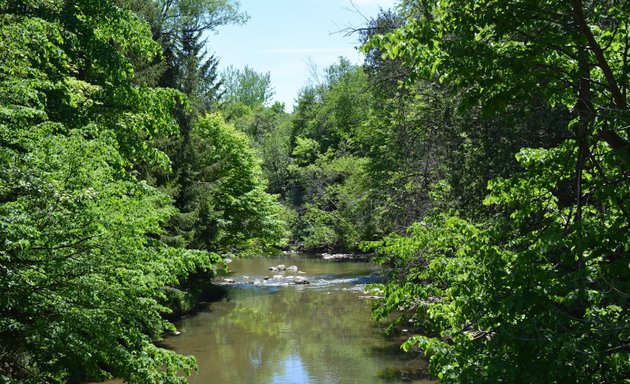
328, 179
538, 292
269, 130
82, 279
181, 28
246, 86
499, 128
495, 301
82, 265
234, 211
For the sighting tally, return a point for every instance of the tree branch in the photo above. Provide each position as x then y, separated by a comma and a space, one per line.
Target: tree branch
602, 63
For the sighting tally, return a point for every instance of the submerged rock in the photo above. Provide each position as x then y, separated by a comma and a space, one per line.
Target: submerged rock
345, 256
300, 280
337, 256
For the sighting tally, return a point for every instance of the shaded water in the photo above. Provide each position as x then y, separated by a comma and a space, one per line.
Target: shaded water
270, 333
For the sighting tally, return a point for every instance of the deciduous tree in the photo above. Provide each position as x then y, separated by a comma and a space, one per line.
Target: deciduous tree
538, 294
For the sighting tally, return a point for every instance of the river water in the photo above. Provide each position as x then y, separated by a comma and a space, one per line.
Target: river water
276, 332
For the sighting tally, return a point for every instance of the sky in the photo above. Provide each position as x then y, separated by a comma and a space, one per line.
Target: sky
288, 38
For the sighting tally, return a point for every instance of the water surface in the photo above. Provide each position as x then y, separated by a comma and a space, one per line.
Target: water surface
274, 332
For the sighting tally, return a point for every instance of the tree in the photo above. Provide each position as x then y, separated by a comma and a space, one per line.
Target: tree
385, 73
198, 75
82, 269
328, 178
181, 28
538, 293
247, 86
269, 131
332, 112
235, 213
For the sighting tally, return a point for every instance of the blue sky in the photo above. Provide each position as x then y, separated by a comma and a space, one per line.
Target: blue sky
288, 37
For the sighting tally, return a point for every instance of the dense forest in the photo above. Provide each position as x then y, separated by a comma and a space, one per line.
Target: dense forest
480, 154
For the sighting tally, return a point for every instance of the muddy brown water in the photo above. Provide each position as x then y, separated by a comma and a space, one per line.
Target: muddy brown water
275, 332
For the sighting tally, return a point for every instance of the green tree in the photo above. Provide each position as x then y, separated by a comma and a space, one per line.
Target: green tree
538, 294
198, 75
81, 268
269, 130
328, 185
384, 73
421, 133
182, 28
246, 86
228, 192
332, 111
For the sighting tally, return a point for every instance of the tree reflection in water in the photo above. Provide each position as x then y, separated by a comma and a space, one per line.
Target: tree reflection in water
277, 335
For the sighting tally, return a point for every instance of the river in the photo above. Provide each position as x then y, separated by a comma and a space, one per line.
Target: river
271, 333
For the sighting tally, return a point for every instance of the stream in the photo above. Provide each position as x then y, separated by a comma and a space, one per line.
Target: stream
276, 332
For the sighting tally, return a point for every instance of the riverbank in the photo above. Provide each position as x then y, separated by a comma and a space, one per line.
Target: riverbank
281, 333
276, 332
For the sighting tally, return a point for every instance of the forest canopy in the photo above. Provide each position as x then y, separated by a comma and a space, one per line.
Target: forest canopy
480, 155
96, 188
537, 289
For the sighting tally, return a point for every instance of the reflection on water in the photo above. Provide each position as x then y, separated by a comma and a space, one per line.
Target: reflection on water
293, 371
273, 334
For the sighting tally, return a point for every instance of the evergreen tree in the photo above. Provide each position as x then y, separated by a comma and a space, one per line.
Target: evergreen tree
82, 270
182, 27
